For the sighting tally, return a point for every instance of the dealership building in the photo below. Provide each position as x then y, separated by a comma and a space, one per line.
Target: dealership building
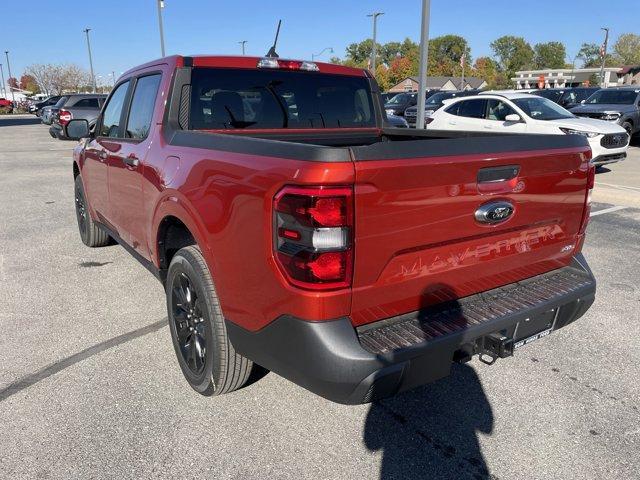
570, 77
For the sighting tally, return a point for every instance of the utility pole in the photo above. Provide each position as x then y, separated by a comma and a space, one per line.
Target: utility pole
13, 95
160, 7
3, 88
604, 55
463, 60
375, 16
113, 78
424, 54
93, 77
243, 43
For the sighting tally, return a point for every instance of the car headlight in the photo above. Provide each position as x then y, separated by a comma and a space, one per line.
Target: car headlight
389, 111
428, 113
611, 116
570, 131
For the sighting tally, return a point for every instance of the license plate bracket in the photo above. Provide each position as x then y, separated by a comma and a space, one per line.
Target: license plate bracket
532, 329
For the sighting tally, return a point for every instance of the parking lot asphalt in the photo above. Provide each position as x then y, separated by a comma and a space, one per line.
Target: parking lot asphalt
90, 387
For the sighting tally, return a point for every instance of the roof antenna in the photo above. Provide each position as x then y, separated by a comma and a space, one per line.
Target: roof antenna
272, 51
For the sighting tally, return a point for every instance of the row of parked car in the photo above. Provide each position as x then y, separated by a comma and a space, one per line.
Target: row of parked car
58, 110
608, 118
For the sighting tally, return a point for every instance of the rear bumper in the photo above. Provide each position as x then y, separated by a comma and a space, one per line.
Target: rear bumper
348, 365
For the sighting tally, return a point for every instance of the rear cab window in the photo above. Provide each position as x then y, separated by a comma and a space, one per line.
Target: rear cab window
235, 99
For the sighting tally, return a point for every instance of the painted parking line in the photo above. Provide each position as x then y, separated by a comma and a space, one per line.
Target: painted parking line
622, 187
606, 210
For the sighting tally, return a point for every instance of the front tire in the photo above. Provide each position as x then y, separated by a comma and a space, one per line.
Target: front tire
205, 355
91, 235
628, 127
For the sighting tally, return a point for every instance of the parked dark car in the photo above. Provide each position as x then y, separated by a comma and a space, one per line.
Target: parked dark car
553, 94
573, 96
85, 107
400, 102
397, 122
48, 113
387, 96
434, 102
37, 107
620, 105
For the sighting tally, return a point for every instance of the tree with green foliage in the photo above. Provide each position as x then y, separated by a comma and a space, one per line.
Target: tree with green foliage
589, 54
487, 69
549, 55
627, 48
361, 52
512, 54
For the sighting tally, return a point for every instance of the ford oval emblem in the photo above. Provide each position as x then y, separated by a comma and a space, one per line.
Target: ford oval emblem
494, 212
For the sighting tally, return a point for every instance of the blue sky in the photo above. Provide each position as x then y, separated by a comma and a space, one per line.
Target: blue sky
125, 32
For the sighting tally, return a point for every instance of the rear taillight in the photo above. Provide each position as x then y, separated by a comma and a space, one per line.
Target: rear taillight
591, 181
313, 236
64, 117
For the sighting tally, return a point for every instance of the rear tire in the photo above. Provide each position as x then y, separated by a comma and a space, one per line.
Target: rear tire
90, 233
205, 355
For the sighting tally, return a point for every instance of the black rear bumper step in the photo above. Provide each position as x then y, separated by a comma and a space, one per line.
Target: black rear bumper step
426, 325
349, 365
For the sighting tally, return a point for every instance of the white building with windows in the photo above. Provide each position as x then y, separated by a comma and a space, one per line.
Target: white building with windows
565, 77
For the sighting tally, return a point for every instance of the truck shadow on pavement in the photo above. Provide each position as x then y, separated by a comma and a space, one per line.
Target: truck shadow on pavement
432, 431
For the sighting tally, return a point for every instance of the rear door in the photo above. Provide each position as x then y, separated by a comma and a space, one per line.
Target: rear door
467, 115
127, 167
420, 234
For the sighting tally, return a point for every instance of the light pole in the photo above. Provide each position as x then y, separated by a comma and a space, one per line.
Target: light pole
314, 55
243, 43
424, 54
160, 7
375, 16
93, 77
113, 79
604, 55
13, 95
3, 88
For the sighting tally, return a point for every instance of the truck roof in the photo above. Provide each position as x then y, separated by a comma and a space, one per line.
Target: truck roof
240, 61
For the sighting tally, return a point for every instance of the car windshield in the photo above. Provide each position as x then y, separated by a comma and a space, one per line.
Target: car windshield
550, 94
60, 103
437, 99
400, 98
613, 97
576, 95
540, 108
278, 99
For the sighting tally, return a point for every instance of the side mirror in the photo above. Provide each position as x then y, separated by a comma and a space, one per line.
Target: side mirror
77, 129
513, 118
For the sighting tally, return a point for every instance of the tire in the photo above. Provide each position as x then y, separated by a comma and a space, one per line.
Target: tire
91, 235
628, 127
198, 332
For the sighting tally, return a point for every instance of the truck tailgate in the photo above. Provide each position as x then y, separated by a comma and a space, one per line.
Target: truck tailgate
420, 234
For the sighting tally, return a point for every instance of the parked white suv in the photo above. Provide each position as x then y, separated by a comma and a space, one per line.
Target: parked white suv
525, 113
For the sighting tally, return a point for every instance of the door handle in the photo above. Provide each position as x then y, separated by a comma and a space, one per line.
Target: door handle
131, 161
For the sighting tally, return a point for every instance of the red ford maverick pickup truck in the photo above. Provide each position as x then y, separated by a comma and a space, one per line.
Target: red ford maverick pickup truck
293, 229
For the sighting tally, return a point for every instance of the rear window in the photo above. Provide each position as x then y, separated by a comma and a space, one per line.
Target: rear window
259, 99
86, 103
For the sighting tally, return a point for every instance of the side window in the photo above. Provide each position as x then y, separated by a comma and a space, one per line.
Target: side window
472, 108
498, 110
111, 118
144, 99
87, 103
